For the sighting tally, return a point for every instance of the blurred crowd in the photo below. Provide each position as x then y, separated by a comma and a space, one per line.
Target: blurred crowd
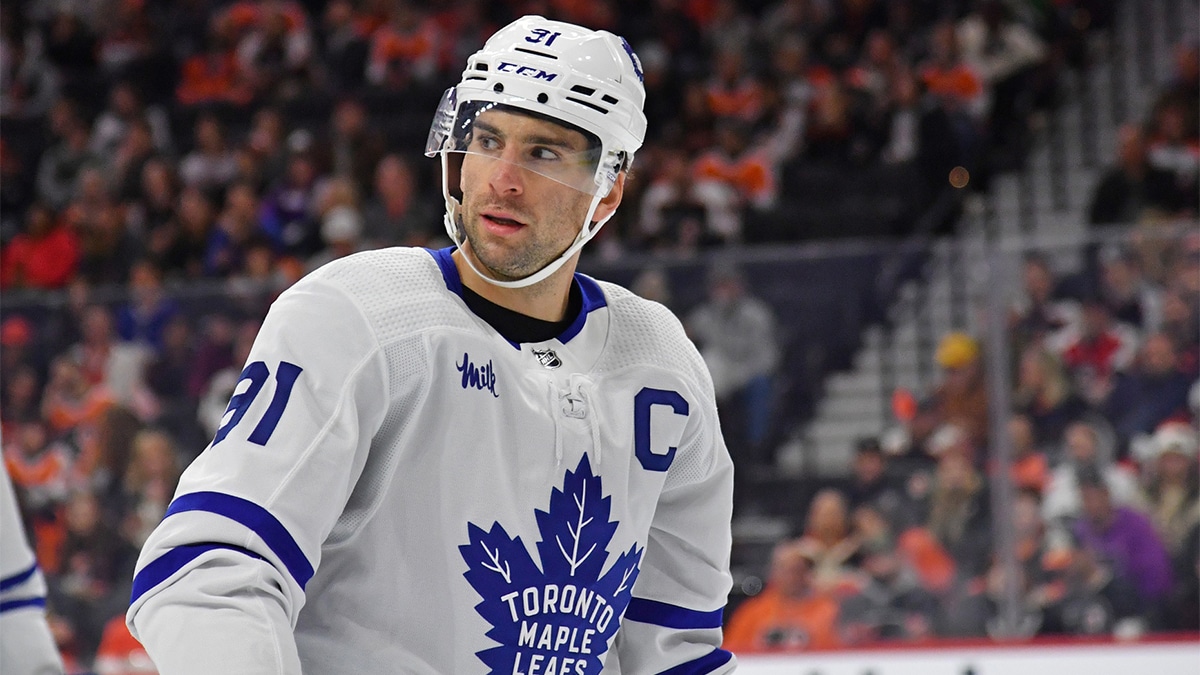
1105, 474
256, 139
156, 154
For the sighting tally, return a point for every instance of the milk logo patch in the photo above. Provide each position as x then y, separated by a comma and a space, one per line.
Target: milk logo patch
476, 377
556, 614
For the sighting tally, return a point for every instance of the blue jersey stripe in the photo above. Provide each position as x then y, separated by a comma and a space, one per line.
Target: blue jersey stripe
18, 578
705, 664
449, 271
23, 602
593, 299
255, 517
171, 562
671, 616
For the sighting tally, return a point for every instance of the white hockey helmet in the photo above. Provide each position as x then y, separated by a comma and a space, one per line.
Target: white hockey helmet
584, 79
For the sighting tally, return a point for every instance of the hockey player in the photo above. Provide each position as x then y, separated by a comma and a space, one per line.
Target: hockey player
26, 644
471, 460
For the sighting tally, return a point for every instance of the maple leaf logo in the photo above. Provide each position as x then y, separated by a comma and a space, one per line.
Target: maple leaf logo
559, 618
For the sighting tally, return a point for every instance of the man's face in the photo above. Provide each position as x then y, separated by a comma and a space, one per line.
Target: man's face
516, 219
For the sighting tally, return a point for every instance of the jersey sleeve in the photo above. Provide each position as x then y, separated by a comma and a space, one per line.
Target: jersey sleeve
220, 582
26, 645
673, 622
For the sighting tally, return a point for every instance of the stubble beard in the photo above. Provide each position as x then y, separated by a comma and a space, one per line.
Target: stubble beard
511, 263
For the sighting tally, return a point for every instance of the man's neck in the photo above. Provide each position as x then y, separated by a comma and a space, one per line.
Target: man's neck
546, 300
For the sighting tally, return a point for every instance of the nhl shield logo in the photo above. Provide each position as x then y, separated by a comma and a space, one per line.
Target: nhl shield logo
547, 358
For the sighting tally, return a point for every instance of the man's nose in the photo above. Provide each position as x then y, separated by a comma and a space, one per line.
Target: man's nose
507, 177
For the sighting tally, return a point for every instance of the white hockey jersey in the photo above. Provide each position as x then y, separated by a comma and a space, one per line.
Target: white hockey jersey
397, 488
26, 645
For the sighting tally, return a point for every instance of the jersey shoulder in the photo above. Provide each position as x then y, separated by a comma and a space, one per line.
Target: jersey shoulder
645, 333
399, 291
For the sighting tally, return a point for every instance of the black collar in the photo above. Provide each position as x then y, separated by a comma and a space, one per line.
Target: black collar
517, 327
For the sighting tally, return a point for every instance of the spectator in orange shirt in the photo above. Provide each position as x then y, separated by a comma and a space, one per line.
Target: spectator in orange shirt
735, 162
213, 75
46, 255
732, 91
70, 401
404, 49
41, 472
789, 615
951, 78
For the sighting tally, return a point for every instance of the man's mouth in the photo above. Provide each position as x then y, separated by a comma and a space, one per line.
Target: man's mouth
502, 222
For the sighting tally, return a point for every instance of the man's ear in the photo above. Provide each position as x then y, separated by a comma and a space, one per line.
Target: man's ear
612, 200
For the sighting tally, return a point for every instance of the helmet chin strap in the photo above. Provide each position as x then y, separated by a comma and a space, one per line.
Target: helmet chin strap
456, 235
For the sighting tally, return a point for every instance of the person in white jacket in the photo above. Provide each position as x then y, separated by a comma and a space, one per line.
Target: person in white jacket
472, 460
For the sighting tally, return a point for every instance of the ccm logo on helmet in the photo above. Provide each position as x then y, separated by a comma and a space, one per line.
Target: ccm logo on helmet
527, 71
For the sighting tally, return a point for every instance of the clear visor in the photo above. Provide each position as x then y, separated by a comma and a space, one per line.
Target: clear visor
480, 134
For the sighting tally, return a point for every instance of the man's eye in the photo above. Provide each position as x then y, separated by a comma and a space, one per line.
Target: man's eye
545, 154
489, 143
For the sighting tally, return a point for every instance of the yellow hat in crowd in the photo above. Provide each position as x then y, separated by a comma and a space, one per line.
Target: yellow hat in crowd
956, 350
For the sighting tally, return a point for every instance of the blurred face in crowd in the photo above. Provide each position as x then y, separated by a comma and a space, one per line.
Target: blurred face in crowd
1176, 311
301, 171
791, 571
339, 13
177, 335
1097, 504
33, 437
1120, 277
1186, 278
789, 58
241, 203
154, 453
868, 466
195, 212
138, 141
350, 118
1131, 147
1027, 515
156, 182
92, 187
903, 88
123, 101
944, 43
83, 513
22, 387
1081, 443
65, 377
1172, 124
1039, 282
1096, 319
880, 51
267, 133
394, 179
869, 524
954, 472
1020, 431
145, 281
38, 220
827, 515
209, 136
1158, 355
97, 325
1172, 467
